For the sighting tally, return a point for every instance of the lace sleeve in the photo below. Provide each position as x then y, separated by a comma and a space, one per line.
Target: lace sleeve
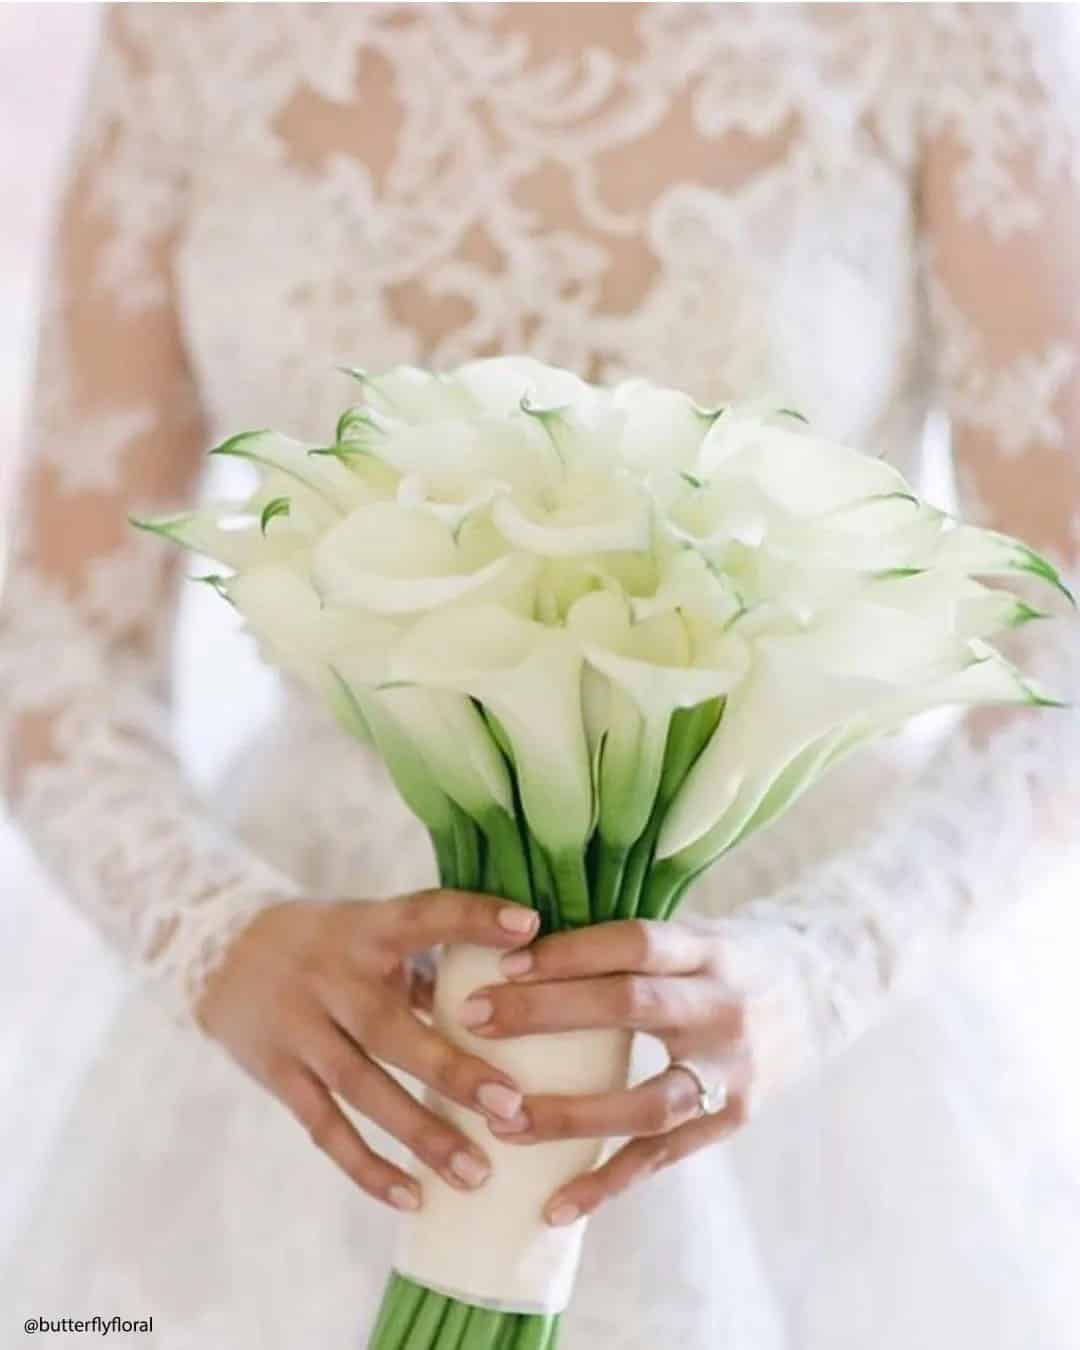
990, 816
87, 607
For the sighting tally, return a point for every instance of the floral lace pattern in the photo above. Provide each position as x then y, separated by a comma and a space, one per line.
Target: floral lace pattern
717, 200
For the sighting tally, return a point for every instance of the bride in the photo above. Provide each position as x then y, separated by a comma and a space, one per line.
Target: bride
870, 210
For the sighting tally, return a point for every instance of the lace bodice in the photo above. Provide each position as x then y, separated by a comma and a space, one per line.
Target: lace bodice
870, 210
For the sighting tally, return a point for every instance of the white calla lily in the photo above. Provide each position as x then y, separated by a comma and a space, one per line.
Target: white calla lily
413, 394
233, 536
784, 705
530, 678
498, 386
589, 515
663, 429
801, 690
802, 474
690, 586
306, 638
321, 474
977, 552
453, 740
392, 559
651, 673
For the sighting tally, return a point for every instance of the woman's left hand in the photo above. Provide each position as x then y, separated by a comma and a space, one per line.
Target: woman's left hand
666, 979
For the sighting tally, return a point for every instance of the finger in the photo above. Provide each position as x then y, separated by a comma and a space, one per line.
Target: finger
404, 1041
638, 945
638, 1160
348, 1073
654, 1107
330, 1130
409, 923
639, 1002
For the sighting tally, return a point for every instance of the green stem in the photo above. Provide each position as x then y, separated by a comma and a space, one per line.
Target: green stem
545, 896
453, 1331
490, 882
401, 1303
445, 848
572, 889
637, 866
607, 879
674, 898
505, 845
691, 729
538, 1333
483, 1329
424, 1332
663, 889
688, 735
467, 849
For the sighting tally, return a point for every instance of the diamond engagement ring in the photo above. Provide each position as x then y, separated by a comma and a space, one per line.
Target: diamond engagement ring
710, 1099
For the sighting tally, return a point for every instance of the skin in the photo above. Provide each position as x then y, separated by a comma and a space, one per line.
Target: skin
664, 979
313, 994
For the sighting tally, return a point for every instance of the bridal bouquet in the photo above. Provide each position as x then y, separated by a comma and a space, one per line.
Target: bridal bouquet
600, 637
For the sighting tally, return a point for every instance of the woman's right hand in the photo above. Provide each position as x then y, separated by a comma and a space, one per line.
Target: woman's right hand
312, 994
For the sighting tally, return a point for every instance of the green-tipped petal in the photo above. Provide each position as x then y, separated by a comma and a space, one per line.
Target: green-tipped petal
277, 506
978, 552
329, 480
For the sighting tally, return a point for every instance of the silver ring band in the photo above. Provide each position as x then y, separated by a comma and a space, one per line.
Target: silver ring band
712, 1099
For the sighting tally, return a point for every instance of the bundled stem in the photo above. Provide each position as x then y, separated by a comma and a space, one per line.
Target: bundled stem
500, 855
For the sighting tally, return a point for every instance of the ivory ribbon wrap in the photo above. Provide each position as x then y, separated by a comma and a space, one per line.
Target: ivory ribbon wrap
491, 1246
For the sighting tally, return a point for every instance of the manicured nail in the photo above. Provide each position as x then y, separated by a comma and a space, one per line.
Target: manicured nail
517, 1125
516, 963
403, 1197
476, 1011
470, 1170
518, 918
562, 1215
499, 1100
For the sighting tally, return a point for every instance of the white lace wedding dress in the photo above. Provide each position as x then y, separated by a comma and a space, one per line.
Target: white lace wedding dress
871, 210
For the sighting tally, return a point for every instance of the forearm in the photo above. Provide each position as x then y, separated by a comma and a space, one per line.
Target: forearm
94, 784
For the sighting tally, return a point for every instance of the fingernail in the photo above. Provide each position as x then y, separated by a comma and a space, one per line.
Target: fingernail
516, 963
471, 1170
562, 1215
515, 1124
518, 919
499, 1099
476, 1011
403, 1197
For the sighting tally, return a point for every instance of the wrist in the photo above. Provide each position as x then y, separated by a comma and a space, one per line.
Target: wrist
201, 942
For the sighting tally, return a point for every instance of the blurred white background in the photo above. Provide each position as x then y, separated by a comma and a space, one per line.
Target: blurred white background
222, 691
44, 56
44, 52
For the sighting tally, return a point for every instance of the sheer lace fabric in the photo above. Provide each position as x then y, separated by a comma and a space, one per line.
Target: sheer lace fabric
806, 200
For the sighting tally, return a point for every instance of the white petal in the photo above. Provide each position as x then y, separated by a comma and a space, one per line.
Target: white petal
801, 474
228, 534
414, 395
322, 474
977, 552
284, 613
454, 741
497, 385
391, 559
530, 677
663, 428
615, 521
783, 706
